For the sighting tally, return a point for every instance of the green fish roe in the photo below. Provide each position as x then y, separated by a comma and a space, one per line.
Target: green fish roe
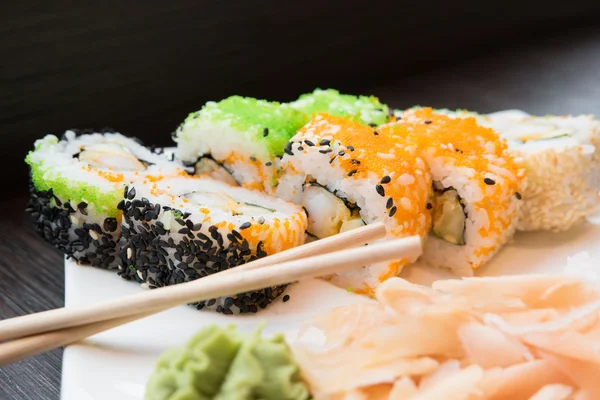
366, 110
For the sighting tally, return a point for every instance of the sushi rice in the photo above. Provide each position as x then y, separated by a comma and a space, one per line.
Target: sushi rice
76, 184
182, 229
477, 187
346, 175
238, 140
562, 161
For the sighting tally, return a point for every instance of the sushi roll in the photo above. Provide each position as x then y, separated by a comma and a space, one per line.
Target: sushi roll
238, 140
562, 163
182, 229
345, 174
364, 109
477, 186
76, 184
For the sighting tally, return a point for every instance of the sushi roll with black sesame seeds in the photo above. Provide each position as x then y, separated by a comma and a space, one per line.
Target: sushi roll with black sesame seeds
477, 185
182, 229
350, 177
76, 184
238, 140
367, 110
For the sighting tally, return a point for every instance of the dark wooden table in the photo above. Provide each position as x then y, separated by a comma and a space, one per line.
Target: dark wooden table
560, 75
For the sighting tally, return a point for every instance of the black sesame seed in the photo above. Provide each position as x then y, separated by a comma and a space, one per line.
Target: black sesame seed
429, 206
252, 158
237, 234
393, 211
341, 153
355, 162
352, 172
375, 133
372, 125
325, 151
351, 148
489, 181
202, 236
245, 225
180, 221
380, 190
324, 142
228, 302
186, 215
288, 151
131, 194
268, 164
458, 150
518, 195
390, 203
110, 224
286, 298
121, 205
385, 179
428, 122
265, 132
183, 231
309, 143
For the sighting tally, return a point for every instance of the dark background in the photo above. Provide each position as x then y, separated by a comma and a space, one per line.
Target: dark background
140, 67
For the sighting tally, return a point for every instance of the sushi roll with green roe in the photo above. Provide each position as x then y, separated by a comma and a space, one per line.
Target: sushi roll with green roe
367, 110
238, 140
76, 184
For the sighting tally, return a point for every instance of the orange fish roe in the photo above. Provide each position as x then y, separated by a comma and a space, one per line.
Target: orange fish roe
482, 157
386, 182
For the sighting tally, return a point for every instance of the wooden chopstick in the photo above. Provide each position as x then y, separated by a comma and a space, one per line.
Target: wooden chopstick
30, 324
111, 312
22, 348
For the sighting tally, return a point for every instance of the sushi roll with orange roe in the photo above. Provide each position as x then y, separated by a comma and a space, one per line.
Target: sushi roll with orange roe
182, 229
346, 175
477, 186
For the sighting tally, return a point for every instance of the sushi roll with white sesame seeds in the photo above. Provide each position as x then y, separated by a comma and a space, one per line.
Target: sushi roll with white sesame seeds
346, 175
182, 229
477, 186
238, 140
367, 110
562, 163
76, 184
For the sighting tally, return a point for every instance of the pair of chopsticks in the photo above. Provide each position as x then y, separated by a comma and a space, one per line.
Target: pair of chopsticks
36, 333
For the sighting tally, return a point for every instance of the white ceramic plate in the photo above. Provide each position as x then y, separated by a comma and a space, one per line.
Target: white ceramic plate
116, 364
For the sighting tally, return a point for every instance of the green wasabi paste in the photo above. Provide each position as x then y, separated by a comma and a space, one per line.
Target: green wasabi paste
224, 364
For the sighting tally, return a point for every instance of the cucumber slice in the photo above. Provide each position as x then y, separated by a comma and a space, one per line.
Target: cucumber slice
449, 218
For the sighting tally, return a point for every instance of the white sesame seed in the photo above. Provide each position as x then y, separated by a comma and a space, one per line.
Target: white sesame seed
93, 234
129, 253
